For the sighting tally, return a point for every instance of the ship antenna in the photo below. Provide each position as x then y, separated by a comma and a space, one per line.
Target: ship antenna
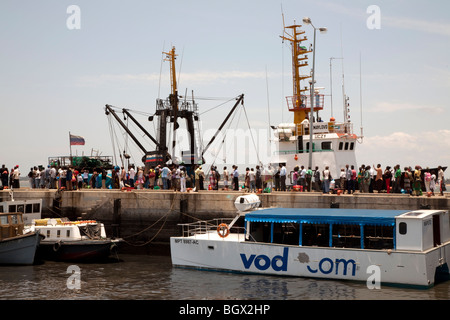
360, 97
160, 71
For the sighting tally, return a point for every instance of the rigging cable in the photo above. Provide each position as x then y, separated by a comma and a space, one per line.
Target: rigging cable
251, 134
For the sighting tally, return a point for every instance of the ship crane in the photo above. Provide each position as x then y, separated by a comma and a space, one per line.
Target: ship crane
170, 110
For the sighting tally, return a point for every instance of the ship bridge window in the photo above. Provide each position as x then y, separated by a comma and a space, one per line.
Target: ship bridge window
326, 145
346, 145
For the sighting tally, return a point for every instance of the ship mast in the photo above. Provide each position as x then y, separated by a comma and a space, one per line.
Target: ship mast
297, 102
173, 97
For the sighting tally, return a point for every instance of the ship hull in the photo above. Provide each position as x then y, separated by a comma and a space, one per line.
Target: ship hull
19, 250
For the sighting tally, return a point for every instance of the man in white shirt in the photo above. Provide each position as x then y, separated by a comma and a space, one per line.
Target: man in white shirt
132, 174
283, 177
16, 175
53, 177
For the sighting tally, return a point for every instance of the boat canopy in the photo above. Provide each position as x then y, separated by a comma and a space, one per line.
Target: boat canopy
325, 216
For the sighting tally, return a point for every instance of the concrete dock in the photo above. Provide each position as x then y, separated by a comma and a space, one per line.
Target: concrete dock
143, 217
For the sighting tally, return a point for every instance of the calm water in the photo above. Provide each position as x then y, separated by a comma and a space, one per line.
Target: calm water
151, 277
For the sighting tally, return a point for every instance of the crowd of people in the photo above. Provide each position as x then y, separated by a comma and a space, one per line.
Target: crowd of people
367, 179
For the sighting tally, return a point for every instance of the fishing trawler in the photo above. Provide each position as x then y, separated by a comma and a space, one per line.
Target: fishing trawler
333, 142
396, 247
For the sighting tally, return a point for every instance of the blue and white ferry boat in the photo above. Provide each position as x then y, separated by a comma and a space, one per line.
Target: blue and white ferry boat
389, 246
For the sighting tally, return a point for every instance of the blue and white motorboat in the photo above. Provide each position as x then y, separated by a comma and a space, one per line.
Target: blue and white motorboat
389, 246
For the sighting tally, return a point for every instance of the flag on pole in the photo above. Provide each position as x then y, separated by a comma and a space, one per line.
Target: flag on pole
76, 140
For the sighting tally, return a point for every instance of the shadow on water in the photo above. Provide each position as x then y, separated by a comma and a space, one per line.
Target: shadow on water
152, 277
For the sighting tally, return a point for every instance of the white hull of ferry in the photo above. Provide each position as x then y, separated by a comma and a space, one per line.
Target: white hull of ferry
209, 251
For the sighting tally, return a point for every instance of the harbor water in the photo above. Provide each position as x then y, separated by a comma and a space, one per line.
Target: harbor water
152, 277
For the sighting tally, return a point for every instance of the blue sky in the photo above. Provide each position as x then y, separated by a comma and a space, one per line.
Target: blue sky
54, 80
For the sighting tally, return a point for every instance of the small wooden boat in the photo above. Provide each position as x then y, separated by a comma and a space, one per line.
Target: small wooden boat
16, 247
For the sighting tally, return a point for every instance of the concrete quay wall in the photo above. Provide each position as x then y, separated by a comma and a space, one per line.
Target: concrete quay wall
145, 216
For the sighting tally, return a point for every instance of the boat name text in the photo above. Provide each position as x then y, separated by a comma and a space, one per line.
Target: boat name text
326, 266
186, 241
263, 262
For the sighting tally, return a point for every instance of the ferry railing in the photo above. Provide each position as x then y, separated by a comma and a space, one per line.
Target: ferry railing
207, 227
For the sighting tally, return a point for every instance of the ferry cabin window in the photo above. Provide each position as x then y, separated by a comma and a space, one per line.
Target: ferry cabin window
28, 208
260, 231
1, 209
402, 228
316, 235
12, 208
346, 236
68, 233
378, 237
286, 233
58, 233
48, 233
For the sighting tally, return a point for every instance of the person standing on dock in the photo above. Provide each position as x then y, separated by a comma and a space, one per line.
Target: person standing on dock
417, 184
441, 181
236, 178
4, 174
53, 177
16, 176
283, 177
397, 179
225, 178
69, 174
317, 179
326, 180
379, 178
164, 176
258, 178
252, 178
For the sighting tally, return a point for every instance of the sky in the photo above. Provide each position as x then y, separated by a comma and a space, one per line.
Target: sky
60, 66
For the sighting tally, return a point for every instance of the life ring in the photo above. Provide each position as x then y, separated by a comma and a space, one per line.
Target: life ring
223, 230
56, 246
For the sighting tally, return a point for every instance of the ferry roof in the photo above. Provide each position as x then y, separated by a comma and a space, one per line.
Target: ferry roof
326, 216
